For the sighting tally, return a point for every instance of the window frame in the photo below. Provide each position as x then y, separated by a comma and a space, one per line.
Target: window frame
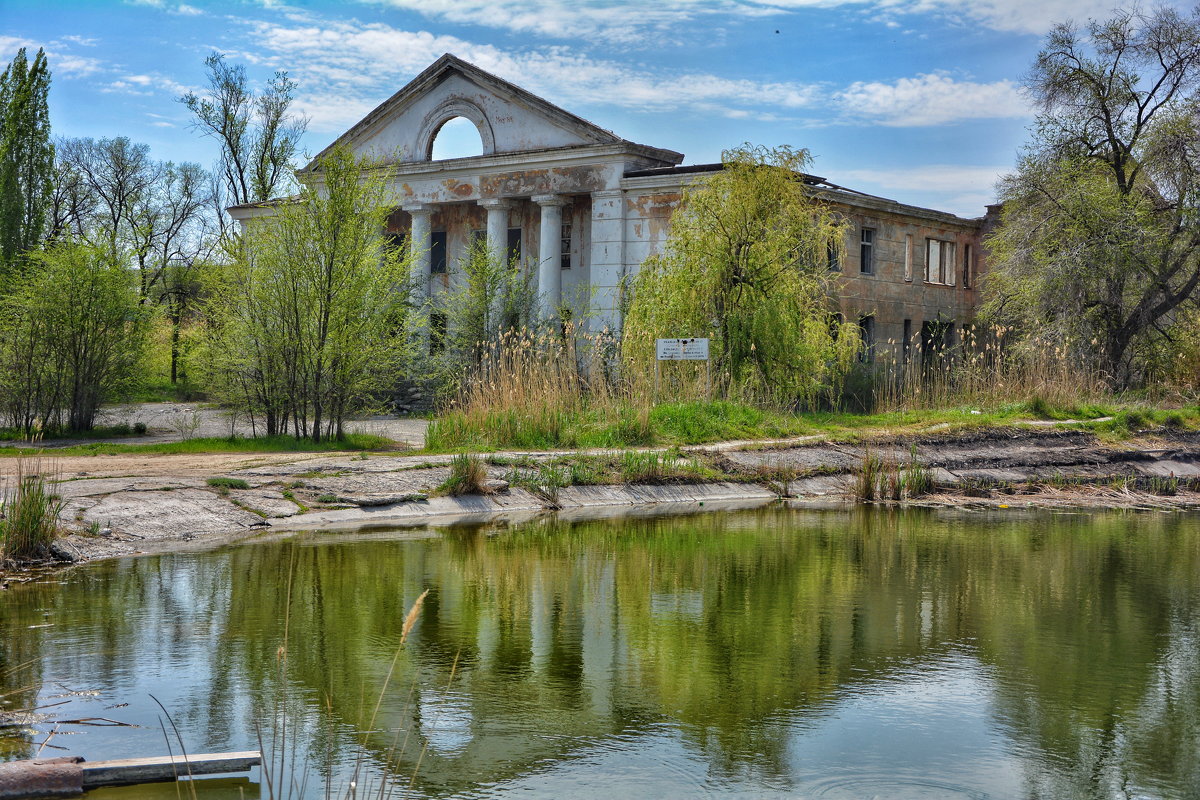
866, 250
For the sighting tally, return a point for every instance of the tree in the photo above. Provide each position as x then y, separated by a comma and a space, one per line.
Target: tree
71, 336
309, 318
26, 155
746, 264
1099, 245
257, 134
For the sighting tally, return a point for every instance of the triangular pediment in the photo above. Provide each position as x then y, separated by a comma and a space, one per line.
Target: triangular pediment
509, 119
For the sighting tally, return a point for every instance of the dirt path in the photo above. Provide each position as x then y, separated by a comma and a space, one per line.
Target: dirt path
173, 422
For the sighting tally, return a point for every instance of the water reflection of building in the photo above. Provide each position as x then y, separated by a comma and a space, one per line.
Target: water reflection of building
737, 635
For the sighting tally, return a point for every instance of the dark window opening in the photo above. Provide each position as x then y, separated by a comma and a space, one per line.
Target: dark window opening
437, 253
833, 257
866, 252
866, 329
394, 242
967, 267
437, 332
514, 244
907, 346
565, 245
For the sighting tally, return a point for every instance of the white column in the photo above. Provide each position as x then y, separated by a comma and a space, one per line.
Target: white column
419, 244
497, 226
607, 262
549, 284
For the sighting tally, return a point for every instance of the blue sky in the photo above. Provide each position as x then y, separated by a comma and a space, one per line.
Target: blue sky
918, 100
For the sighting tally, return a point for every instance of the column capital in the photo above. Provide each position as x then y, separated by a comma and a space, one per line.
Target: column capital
496, 202
550, 200
418, 208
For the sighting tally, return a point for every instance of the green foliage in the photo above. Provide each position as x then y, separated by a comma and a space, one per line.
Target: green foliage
308, 321
28, 517
26, 156
491, 296
1098, 251
72, 336
746, 265
227, 483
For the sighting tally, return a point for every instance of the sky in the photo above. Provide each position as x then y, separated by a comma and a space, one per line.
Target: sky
916, 100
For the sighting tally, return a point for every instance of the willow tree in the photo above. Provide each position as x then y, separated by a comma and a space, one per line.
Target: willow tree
1099, 249
746, 265
309, 318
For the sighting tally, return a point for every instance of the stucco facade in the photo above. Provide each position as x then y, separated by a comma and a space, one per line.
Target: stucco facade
584, 208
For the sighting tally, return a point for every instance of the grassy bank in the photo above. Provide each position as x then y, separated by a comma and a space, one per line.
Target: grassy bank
216, 444
703, 422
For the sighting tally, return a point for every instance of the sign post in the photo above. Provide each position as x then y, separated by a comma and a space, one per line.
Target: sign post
682, 350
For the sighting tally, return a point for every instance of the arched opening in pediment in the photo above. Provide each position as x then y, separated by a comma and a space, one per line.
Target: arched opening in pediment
458, 137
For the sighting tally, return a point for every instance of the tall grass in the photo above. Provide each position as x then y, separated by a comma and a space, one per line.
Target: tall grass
539, 389
985, 367
28, 515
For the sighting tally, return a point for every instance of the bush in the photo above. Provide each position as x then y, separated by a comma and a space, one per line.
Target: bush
72, 336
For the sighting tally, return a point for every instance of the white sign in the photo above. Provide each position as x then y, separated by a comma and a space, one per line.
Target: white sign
682, 349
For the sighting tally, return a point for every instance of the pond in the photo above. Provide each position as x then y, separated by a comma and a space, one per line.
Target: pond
768, 653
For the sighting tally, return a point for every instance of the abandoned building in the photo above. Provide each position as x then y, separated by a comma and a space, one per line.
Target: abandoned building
584, 208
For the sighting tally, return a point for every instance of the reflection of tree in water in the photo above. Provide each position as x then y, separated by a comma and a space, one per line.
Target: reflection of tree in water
733, 628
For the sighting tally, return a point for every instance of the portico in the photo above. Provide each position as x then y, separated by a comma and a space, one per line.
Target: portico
582, 209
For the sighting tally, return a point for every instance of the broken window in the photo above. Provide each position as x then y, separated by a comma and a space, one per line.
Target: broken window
866, 252
833, 256
967, 267
939, 261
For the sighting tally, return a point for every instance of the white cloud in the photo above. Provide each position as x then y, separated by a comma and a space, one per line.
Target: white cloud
146, 85
959, 189
638, 21
62, 63
186, 10
929, 178
360, 64
65, 65
931, 99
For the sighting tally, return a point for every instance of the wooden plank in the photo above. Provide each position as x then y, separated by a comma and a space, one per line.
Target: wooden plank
125, 771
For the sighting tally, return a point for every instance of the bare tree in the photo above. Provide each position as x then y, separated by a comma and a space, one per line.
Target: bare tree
257, 134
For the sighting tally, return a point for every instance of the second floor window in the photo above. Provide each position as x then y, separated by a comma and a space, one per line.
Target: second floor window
866, 252
939, 262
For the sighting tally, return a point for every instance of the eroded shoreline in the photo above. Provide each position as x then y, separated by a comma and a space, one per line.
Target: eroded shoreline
121, 506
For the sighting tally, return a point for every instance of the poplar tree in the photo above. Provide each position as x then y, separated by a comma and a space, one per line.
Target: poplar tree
26, 156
